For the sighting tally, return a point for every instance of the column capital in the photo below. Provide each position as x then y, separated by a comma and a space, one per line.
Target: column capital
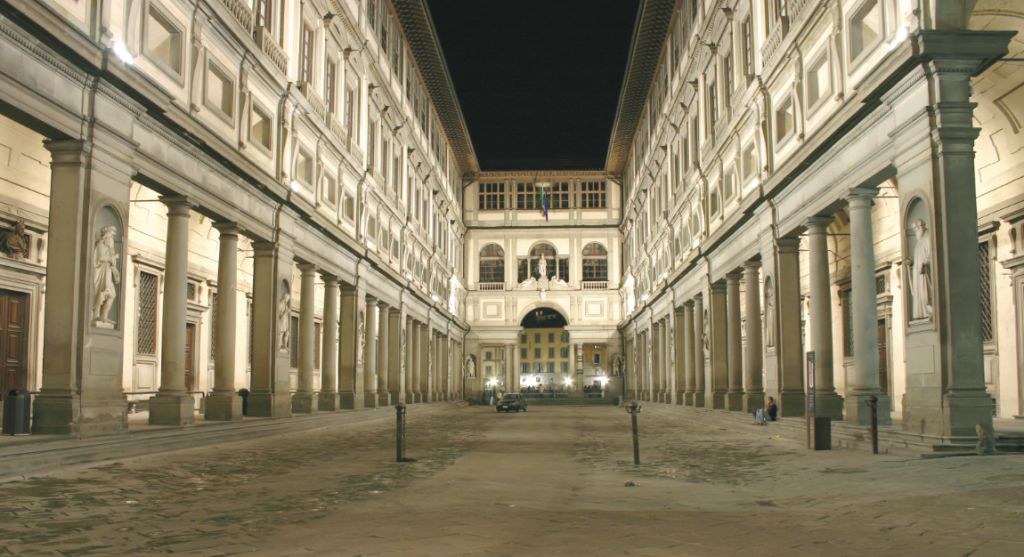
67, 151
330, 280
382, 304
228, 228
861, 197
717, 286
307, 269
179, 205
751, 266
817, 225
787, 245
733, 278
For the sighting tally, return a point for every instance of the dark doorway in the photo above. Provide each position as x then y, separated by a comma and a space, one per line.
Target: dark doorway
190, 344
543, 318
14, 328
883, 357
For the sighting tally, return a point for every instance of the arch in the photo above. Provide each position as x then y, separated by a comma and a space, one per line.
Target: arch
542, 304
595, 262
492, 264
543, 247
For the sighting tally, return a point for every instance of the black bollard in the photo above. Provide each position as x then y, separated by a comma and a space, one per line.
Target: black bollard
633, 410
400, 446
873, 403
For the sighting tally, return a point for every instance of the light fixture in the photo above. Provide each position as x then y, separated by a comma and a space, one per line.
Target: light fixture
122, 53
370, 244
408, 276
901, 35
295, 186
434, 297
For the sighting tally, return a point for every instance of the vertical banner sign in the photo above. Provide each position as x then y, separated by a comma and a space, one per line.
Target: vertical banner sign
810, 399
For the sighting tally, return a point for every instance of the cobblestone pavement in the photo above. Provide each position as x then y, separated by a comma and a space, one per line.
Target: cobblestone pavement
551, 481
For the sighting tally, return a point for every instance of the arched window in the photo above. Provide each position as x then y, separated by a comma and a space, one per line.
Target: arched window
540, 251
492, 263
595, 262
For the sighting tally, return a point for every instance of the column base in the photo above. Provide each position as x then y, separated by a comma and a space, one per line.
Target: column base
169, 409
350, 401
687, 399
383, 399
223, 408
396, 397
718, 400
752, 401
304, 403
734, 402
859, 413
828, 406
792, 404
328, 402
409, 398
698, 400
268, 405
68, 415
680, 398
369, 400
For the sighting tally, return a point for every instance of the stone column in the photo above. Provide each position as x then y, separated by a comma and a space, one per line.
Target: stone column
224, 404
172, 405
734, 398
396, 337
665, 388
510, 374
753, 384
656, 390
446, 369
827, 402
350, 368
679, 347
410, 360
383, 353
698, 351
304, 400
83, 358
328, 399
690, 379
370, 360
417, 361
517, 374
426, 362
789, 344
719, 344
863, 382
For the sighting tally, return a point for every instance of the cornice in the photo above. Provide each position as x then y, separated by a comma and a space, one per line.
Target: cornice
649, 34
421, 35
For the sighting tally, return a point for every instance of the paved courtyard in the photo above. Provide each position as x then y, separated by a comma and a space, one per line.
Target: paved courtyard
551, 481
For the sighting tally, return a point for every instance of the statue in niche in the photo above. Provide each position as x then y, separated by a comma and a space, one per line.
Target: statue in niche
921, 274
106, 277
15, 243
542, 268
769, 313
617, 366
360, 336
707, 336
401, 351
284, 324
470, 368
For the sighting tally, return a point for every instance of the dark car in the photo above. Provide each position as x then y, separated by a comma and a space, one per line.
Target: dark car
512, 401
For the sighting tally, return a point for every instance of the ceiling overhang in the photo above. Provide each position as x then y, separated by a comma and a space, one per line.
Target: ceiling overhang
652, 27
421, 35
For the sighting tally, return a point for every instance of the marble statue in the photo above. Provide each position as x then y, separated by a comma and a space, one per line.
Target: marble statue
707, 336
401, 351
921, 274
106, 276
542, 268
360, 336
15, 242
769, 313
284, 324
470, 368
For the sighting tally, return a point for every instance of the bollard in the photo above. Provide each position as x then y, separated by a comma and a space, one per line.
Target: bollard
633, 410
400, 446
873, 403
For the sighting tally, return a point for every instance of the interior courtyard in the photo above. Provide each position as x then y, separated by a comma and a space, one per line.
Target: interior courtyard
238, 237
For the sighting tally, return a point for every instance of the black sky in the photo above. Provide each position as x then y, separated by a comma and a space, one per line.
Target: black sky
538, 80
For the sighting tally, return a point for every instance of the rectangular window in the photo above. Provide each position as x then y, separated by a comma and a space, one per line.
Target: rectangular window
818, 83
330, 189
865, 27
523, 353
220, 90
385, 153
551, 352
523, 340
348, 208
551, 337
487, 355
524, 367
551, 367
350, 104
749, 160
536, 353
597, 357
396, 169
146, 336
492, 196
536, 338
265, 14
784, 119
986, 292
306, 55
330, 85
563, 269
262, 126
163, 40
526, 197
711, 103
592, 195
727, 76
304, 168
371, 144
565, 352
560, 195
748, 49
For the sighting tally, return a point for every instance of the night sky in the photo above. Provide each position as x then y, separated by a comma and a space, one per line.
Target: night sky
538, 80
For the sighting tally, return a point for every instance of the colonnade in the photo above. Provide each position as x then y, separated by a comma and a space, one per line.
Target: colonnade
738, 339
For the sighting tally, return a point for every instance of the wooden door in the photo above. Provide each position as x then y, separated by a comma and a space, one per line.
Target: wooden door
14, 330
191, 381
883, 357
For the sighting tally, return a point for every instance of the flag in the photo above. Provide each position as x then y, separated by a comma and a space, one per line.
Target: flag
544, 202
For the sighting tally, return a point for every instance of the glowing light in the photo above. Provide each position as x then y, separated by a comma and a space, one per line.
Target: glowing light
295, 186
901, 35
644, 297
370, 244
408, 276
122, 53
568, 382
755, 183
434, 297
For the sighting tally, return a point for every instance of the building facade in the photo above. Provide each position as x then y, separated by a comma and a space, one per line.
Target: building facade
800, 177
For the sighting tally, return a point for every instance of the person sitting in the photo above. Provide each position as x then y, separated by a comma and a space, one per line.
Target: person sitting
769, 413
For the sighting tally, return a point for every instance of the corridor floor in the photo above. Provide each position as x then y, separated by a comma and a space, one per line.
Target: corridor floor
551, 481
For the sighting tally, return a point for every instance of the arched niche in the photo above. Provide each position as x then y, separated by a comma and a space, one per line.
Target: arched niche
108, 268
918, 258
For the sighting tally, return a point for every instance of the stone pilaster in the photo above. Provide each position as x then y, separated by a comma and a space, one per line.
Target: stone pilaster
689, 359
753, 384
383, 353
699, 352
718, 343
417, 362
173, 405
223, 404
350, 355
734, 397
270, 389
370, 358
828, 403
396, 335
679, 348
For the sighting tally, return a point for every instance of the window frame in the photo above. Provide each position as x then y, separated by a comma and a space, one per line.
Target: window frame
868, 48
825, 62
498, 261
213, 65
255, 107
177, 75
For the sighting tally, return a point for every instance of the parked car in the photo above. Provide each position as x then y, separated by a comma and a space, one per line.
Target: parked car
512, 401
